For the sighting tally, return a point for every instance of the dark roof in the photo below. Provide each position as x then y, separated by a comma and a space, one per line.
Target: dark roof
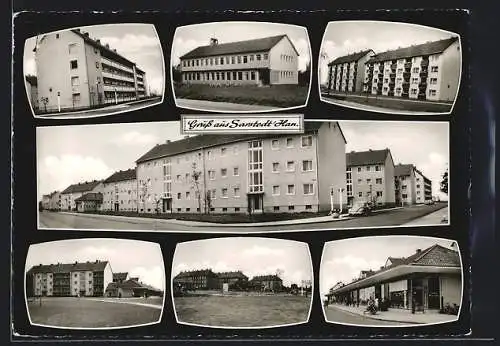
255, 45
91, 196
370, 157
396, 260
120, 276
210, 140
427, 48
402, 170
230, 275
350, 58
129, 174
69, 267
266, 278
190, 273
81, 187
131, 285
32, 80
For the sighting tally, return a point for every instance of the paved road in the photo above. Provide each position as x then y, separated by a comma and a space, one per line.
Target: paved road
99, 222
339, 316
434, 218
125, 107
221, 106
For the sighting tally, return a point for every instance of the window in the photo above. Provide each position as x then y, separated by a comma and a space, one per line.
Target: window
223, 172
211, 175
57, 35
377, 168
379, 193
209, 155
290, 190
276, 167
224, 192
360, 194
308, 207
275, 144
359, 169
239, 59
418, 186
291, 207
416, 69
289, 142
75, 81
179, 195
232, 60
404, 195
367, 168
266, 56
72, 48
251, 57
223, 151
213, 193
257, 57
245, 59
73, 64
290, 166
76, 97
276, 208
236, 192
434, 68
237, 209
432, 92
368, 181
240, 75
378, 181
308, 189
188, 195
306, 141
276, 190
433, 81
307, 166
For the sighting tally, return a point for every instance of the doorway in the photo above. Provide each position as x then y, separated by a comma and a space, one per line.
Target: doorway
255, 203
167, 205
264, 76
434, 299
117, 207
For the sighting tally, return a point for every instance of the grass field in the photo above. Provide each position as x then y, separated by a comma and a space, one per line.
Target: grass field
86, 313
242, 311
277, 95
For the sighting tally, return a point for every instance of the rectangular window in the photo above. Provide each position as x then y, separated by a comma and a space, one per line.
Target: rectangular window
73, 64
290, 166
308, 189
257, 57
232, 60
434, 69
416, 69
368, 181
377, 168
240, 75
360, 194
307, 165
275, 144
276, 208
97, 65
432, 92
236, 191
251, 57
290, 190
239, 59
211, 175
306, 141
76, 97
291, 207
188, 195
179, 195
75, 81
276, 167
266, 56
252, 75
378, 181
72, 48
236, 171
276, 190
245, 59
289, 142
224, 192
223, 151
223, 172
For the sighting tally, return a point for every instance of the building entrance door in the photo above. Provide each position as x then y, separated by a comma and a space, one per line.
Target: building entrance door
167, 205
117, 207
417, 294
255, 203
434, 299
264, 76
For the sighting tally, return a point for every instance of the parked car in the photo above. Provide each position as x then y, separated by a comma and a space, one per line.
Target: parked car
360, 208
430, 202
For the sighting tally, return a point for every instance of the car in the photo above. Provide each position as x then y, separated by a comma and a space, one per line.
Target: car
360, 208
430, 202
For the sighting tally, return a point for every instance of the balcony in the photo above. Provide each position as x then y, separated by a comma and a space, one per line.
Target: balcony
425, 62
424, 73
116, 65
407, 65
111, 75
110, 87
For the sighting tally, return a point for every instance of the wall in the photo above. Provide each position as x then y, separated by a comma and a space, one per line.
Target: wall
127, 195
94, 75
108, 277
390, 190
360, 73
255, 64
451, 289
449, 72
277, 64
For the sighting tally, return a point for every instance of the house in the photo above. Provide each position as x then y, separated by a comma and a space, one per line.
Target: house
231, 278
262, 61
131, 288
267, 282
411, 186
245, 173
32, 90
120, 191
204, 279
74, 191
89, 202
346, 73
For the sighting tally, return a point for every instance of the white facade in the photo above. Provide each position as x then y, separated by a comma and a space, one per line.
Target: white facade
120, 196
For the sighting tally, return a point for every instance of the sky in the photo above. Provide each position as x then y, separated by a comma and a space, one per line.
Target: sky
425, 144
343, 260
138, 258
253, 256
343, 38
137, 42
190, 37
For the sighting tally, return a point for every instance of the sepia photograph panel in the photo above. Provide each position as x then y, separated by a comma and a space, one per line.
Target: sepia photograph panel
242, 282
94, 71
241, 66
390, 67
94, 283
418, 281
333, 175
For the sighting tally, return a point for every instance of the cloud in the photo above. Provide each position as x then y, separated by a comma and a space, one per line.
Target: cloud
133, 44
134, 138
97, 251
181, 47
153, 276
258, 251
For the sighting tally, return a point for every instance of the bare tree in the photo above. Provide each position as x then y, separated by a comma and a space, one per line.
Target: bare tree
208, 201
195, 179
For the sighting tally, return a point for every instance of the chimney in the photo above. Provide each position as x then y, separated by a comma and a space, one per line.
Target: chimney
214, 41
86, 34
107, 45
419, 251
98, 41
167, 141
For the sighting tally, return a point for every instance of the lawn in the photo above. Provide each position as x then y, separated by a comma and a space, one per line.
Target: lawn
242, 311
87, 313
276, 95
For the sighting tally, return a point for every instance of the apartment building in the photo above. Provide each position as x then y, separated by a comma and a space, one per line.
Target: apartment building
428, 71
242, 173
89, 202
346, 73
263, 61
45, 202
69, 195
69, 279
204, 279
231, 278
120, 191
75, 71
411, 186
428, 279
370, 177
32, 90
267, 282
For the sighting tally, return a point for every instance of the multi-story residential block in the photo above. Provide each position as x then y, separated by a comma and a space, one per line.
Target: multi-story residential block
55, 201
89, 202
245, 173
120, 191
231, 278
267, 282
264, 61
197, 279
70, 279
370, 177
428, 71
75, 71
346, 73
411, 186
32, 90
45, 202
74, 191
428, 279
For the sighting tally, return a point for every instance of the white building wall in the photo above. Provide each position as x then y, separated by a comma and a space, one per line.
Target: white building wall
122, 192
451, 289
448, 74
279, 64
108, 277
415, 76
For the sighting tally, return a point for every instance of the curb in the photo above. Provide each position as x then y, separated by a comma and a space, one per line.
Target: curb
377, 318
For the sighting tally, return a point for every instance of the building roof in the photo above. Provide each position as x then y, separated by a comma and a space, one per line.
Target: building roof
428, 48
32, 80
91, 196
403, 170
128, 174
69, 267
81, 187
209, 140
266, 278
189, 273
350, 58
231, 275
369, 157
255, 45
120, 276
131, 285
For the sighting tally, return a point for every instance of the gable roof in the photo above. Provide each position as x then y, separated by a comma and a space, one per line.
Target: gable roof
32, 80
69, 267
90, 196
128, 174
81, 187
190, 273
120, 276
403, 170
247, 46
350, 57
205, 141
428, 48
266, 278
369, 157
230, 275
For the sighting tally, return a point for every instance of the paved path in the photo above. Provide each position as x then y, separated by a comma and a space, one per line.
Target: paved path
53, 220
340, 316
126, 301
435, 218
214, 106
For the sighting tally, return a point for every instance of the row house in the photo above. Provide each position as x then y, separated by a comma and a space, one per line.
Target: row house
370, 177
346, 73
263, 61
75, 71
428, 279
411, 186
69, 279
74, 191
245, 173
428, 71
120, 191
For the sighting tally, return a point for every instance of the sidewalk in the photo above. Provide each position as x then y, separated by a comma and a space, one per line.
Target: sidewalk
397, 315
124, 301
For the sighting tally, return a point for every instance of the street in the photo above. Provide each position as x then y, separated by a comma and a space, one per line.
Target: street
61, 220
221, 106
338, 316
113, 109
435, 218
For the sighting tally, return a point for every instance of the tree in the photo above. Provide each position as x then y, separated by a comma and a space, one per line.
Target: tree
208, 201
195, 178
177, 74
323, 57
444, 183
304, 76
